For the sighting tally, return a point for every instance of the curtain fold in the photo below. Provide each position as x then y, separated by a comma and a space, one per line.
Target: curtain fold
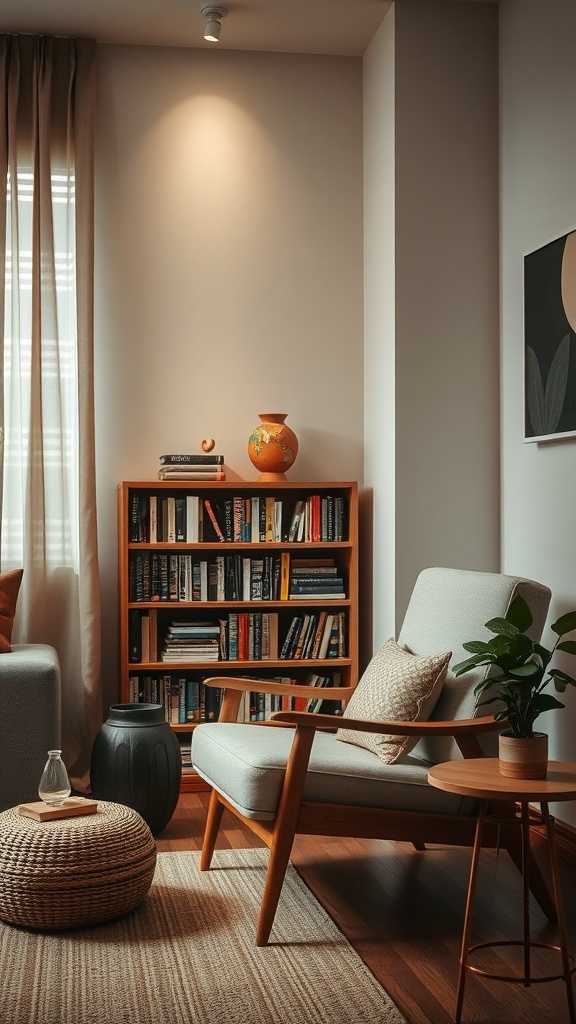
48, 500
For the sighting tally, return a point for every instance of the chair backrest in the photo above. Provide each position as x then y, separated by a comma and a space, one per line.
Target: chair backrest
449, 607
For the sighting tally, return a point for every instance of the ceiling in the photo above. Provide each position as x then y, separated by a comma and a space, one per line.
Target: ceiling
293, 26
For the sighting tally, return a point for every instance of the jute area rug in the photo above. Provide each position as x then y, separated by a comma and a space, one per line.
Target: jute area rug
187, 956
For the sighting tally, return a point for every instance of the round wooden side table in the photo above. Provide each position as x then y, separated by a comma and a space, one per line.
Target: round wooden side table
480, 778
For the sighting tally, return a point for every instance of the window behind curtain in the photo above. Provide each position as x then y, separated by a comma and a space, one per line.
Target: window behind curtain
58, 370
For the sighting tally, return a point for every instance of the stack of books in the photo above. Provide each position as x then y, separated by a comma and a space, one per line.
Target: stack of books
191, 467
315, 578
191, 641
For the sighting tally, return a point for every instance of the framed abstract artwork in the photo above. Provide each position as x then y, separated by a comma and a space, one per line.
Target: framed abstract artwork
550, 340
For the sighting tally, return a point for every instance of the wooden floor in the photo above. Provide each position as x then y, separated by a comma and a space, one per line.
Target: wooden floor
402, 911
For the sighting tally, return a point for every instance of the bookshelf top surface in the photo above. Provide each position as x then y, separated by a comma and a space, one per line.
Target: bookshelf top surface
239, 485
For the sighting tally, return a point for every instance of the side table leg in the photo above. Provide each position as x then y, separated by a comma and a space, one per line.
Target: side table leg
526, 891
549, 820
468, 915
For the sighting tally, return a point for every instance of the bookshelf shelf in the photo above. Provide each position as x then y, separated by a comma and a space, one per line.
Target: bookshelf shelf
342, 553
215, 668
330, 602
245, 546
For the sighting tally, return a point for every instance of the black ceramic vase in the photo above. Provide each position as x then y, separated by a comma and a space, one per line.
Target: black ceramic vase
136, 761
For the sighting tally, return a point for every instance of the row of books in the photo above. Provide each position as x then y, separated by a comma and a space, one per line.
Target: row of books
187, 700
241, 636
190, 519
317, 635
184, 699
181, 577
191, 467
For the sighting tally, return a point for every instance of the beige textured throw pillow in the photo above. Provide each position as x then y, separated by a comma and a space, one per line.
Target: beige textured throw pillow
396, 685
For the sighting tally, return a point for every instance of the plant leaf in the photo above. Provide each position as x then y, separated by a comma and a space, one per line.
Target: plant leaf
556, 384
476, 647
544, 653
519, 614
502, 627
557, 673
546, 702
525, 671
475, 662
567, 645
499, 645
535, 393
520, 647
565, 624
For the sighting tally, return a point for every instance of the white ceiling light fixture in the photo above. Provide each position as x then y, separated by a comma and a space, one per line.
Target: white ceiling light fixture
213, 22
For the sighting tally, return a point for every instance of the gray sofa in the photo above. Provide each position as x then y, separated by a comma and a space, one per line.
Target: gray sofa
29, 719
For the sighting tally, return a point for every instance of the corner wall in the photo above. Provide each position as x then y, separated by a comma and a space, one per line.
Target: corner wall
431, 342
447, 364
538, 188
379, 314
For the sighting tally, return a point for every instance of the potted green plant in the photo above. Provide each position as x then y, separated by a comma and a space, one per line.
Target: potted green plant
518, 675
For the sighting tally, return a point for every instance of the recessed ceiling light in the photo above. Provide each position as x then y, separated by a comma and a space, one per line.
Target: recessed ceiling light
213, 23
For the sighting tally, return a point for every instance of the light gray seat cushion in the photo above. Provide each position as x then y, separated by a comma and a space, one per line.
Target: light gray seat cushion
246, 764
29, 719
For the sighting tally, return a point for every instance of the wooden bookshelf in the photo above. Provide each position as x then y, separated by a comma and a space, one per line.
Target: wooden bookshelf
344, 552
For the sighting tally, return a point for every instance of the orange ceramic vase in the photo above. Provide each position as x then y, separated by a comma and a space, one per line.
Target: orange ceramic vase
272, 446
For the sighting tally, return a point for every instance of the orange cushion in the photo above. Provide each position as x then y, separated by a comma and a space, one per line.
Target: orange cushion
9, 587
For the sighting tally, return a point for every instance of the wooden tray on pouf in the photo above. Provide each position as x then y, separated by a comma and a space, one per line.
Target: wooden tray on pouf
73, 807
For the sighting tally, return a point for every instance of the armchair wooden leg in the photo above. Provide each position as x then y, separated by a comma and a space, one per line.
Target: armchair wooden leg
279, 857
285, 829
215, 809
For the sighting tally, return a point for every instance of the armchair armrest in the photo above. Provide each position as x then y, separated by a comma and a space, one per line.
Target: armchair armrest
462, 727
287, 689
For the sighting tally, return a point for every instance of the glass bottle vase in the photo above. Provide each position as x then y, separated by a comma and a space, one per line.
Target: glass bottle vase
54, 785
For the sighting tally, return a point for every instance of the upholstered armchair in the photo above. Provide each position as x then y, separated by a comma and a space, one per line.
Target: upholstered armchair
294, 776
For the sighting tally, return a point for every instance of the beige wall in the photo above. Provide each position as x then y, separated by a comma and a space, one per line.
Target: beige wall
228, 263
379, 310
538, 204
447, 372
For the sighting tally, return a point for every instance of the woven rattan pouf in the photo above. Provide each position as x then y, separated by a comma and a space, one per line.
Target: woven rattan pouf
74, 872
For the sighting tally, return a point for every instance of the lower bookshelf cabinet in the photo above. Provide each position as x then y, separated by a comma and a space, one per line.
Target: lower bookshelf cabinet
215, 607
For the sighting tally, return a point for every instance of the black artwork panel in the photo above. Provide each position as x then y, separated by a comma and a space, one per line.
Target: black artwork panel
550, 346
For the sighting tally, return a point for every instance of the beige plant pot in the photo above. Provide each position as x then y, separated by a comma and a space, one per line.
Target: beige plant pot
523, 759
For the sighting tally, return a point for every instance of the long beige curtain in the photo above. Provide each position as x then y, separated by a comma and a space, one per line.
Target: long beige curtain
48, 501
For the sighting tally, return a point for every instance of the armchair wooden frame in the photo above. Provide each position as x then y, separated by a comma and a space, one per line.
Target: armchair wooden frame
295, 816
